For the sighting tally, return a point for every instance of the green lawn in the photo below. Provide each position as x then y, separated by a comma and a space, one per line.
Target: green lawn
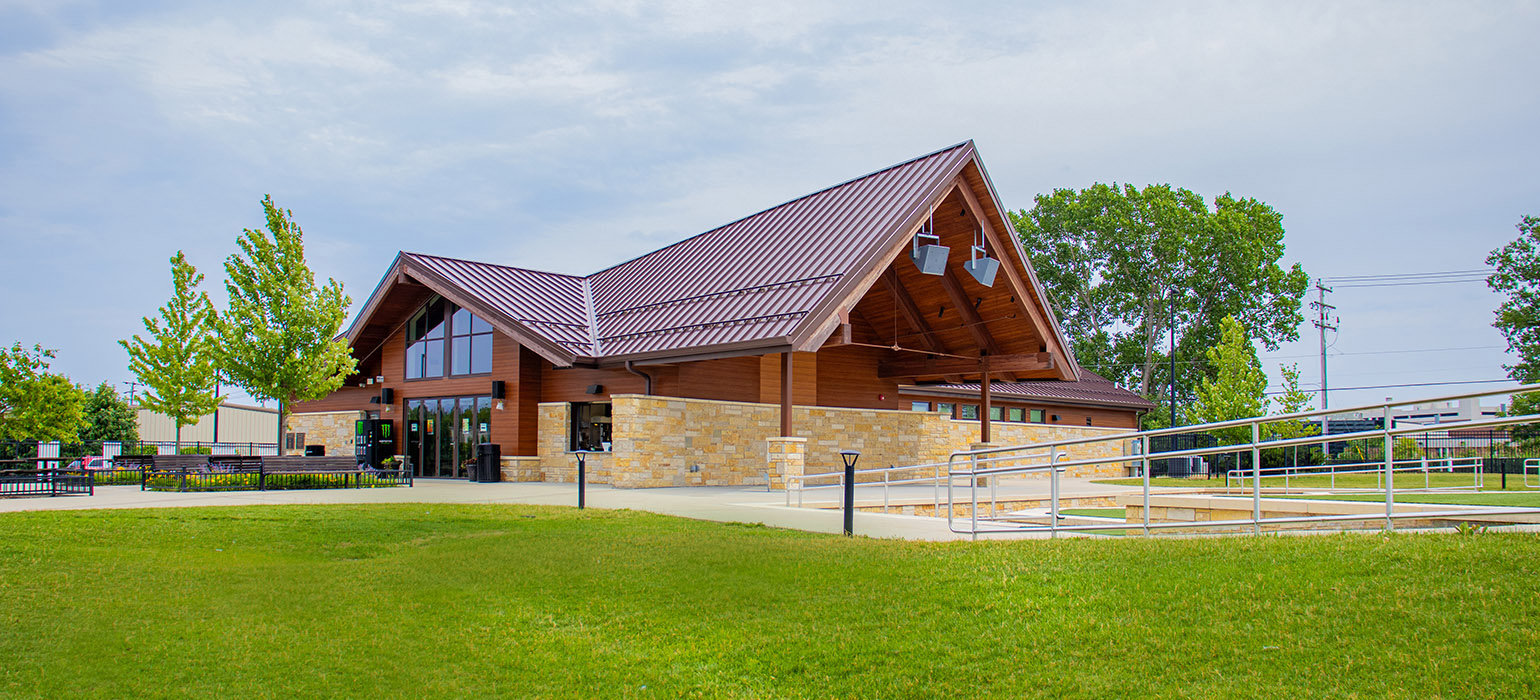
1118, 513
471, 601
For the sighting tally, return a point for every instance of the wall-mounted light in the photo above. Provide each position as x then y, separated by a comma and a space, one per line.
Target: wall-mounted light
980, 265
930, 258
499, 405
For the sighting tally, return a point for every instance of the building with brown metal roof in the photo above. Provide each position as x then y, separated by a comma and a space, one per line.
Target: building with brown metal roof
894, 313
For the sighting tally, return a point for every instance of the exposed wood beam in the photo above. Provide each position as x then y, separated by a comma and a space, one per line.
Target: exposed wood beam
970, 317
1022, 288
911, 313
786, 387
942, 366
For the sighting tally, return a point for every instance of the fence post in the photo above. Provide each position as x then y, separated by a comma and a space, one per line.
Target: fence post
1053, 484
1144, 448
261, 476
582, 478
1390, 474
973, 489
182, 488
1256, 479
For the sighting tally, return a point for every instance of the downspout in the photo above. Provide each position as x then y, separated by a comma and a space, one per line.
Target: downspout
631, 367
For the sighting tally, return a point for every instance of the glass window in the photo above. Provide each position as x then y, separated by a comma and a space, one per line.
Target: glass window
1037, 415
1018, 415
591, 425
944, 408
919, 405
968, 412
425, 342
996, 413
471, 343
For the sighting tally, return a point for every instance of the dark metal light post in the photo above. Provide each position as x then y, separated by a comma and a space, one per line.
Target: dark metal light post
850, 457
582, 477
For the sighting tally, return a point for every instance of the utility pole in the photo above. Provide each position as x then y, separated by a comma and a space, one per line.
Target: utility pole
1325, 321
132, 388
1173, 360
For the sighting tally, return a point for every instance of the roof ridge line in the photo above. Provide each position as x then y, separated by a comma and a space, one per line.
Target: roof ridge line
493, 264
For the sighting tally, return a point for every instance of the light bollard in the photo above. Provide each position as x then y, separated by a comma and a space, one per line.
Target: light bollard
850, 457
582, 477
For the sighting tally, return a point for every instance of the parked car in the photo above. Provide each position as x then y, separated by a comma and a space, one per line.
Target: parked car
92, 463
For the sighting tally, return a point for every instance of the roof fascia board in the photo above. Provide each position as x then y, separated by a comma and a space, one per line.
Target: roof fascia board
821, 322
1028, 293
385, 283
768, 346
911, 390
1037, 285
556, 354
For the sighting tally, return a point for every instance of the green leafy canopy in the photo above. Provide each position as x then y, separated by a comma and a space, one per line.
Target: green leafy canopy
176, 363
1238, 388
34, 403
1123, 266
278, 337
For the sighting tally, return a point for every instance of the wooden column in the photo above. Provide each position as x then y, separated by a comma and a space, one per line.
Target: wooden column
984, 409
786, 394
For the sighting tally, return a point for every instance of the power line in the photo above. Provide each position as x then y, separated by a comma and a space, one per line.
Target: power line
1407, 275
1413, 384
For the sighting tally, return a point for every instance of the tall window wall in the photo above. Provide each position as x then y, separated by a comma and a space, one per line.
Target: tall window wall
445, 340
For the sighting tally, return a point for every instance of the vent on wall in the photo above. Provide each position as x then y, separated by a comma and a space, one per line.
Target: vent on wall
387, 395
499, 390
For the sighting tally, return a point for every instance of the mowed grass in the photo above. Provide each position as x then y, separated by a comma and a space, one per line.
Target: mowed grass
464, 601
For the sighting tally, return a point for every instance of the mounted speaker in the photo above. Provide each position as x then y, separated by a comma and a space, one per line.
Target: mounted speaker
499, 389
387, 395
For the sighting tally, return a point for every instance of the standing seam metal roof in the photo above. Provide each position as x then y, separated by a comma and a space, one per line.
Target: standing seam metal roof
750, 280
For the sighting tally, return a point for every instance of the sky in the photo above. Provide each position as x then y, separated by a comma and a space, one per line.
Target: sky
1394, 137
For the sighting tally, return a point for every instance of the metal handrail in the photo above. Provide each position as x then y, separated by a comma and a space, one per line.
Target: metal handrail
1387, 433
1423, 465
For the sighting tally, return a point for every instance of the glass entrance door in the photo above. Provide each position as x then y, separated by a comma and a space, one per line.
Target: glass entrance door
442, 434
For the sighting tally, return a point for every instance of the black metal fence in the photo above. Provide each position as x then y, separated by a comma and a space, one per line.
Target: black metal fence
67, 453
44, 482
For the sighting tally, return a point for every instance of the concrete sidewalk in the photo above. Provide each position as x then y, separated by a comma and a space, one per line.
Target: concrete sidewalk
722, 504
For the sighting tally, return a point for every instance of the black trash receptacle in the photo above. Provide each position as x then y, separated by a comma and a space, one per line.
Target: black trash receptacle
315, 450
489, 462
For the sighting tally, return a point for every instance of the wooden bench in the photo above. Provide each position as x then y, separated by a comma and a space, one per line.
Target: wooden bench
333, 464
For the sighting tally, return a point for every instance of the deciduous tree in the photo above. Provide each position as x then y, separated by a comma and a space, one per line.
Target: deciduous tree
1516, 275
1238, 388
108, 417
1123, 266
278, 338
34, 403
177, 362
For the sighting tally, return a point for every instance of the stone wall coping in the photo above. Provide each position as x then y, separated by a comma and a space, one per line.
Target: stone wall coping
327, 413
894, 411
785, 439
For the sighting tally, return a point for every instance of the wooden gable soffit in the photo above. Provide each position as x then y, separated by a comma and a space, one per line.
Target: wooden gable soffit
1020, 289
823, 321
945, 366
912, 315
503, 323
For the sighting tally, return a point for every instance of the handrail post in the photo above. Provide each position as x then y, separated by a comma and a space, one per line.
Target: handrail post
1256, 479
1144, 448
973, 490
1390, 474
1053, 487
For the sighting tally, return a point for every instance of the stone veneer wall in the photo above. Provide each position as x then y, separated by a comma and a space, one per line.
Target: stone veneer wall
665, 441
333, 429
